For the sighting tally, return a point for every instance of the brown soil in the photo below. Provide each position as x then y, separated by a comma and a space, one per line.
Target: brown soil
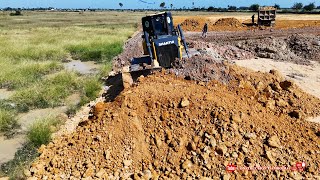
203, 114
228, 22
169, 127
190, 24
196, 23
295, 45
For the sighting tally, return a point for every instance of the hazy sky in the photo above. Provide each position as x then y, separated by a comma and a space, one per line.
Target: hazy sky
143, 3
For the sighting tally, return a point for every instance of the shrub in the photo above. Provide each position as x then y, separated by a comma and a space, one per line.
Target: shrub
309, 7
8, 121
16, 13
40, 132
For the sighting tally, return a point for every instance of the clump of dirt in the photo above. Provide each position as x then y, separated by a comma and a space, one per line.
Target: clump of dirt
228, 22
206, 69
169, 127
226, 51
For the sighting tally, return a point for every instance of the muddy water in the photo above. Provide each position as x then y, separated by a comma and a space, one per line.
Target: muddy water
5, 94
8, 147
88, 67
27, 119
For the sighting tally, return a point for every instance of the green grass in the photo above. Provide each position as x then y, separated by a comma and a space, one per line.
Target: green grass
96, 51
49, 92
40, 132
33, 46
8, 121
24, 73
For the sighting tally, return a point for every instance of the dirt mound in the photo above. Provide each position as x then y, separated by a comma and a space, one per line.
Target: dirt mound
206, 69
169, 127
191, 24
228, 22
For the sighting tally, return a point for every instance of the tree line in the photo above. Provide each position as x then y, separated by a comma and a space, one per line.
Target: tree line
297, 7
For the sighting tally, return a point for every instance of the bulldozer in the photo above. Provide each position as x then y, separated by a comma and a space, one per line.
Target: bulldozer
162, 43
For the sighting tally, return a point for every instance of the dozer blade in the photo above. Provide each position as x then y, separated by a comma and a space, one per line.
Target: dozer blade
126, 77
130, 77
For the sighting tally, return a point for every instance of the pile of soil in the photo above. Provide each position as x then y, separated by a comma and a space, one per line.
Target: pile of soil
191, 25
169, 127
228, 22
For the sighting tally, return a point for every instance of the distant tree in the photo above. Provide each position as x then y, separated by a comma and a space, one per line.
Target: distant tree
121, 5
297, 6
244, 8
211, 8
171, 5
254, 7
16, 13
276, 6
8, 9
162, 5
318, 7
232, 8
309, 7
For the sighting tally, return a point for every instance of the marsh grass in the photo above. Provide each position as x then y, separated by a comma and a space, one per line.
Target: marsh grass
49, 92
8, 121
24, 73
100, 52
40, 132
32, 49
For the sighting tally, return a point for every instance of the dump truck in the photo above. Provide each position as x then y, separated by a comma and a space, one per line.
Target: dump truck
267, 16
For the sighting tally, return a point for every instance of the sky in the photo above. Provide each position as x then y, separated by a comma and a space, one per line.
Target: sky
143, 4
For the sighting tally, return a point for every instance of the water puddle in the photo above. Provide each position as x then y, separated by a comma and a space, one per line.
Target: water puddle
27, 119
8, 147
88, 67
5, 94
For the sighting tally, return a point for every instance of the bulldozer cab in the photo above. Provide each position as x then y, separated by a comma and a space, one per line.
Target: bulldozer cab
158, 25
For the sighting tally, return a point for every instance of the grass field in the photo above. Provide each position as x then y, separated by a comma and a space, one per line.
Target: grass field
33, 47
